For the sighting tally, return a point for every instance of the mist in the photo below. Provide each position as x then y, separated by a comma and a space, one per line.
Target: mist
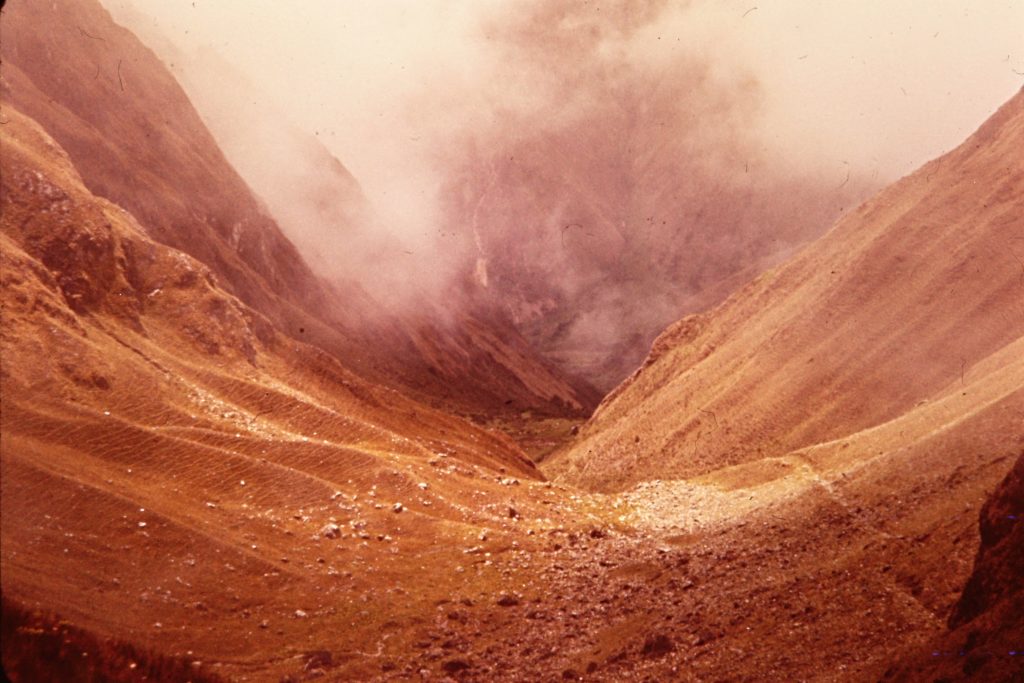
597, 169
883, 85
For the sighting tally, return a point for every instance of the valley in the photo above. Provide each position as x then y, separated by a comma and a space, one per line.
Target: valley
220, 462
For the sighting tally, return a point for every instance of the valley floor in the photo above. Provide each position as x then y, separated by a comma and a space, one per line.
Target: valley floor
657, 594
716, 579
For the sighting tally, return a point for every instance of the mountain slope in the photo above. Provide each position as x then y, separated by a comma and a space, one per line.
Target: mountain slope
913, 298
96, 88
185, 484
136, 140
172, 464
840, 419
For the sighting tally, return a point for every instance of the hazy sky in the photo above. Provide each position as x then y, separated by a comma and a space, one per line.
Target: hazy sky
882, 85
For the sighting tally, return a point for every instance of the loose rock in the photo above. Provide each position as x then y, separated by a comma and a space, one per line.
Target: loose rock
456, 665
658, 645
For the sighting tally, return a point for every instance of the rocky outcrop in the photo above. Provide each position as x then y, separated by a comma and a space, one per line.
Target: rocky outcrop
985, 641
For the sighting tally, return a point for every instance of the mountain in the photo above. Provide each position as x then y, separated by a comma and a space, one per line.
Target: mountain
892, 329
136, 140
830, 431
194, 463
192, 487
573, 230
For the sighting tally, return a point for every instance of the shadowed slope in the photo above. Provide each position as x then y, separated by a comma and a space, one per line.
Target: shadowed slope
986, 637
136, 140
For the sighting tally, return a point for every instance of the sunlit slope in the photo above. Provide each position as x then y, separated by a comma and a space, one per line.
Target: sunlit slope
170, 461
916, 297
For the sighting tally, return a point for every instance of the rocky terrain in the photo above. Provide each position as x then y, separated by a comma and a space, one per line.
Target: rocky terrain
986, 627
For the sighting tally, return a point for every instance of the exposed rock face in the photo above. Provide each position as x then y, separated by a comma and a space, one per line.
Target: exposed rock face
999, 570
986, 629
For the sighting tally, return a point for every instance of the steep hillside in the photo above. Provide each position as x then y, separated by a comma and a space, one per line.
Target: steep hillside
136, 140
176, 472
314, 198
908, 307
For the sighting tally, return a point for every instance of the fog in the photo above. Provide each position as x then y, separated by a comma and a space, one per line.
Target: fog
596, 122
881, 84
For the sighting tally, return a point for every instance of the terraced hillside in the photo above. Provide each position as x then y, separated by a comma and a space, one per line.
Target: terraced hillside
172, 464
